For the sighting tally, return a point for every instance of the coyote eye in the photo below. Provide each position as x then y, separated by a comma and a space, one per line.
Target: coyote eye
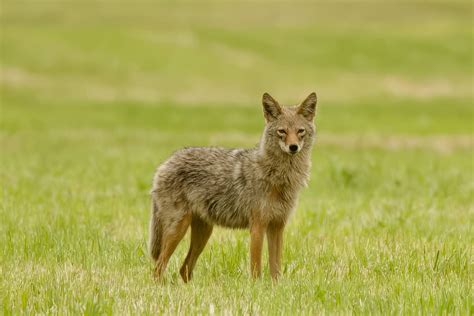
281, 131
301, 131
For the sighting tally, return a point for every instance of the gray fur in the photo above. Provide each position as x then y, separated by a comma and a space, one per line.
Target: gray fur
230, 187
155, 238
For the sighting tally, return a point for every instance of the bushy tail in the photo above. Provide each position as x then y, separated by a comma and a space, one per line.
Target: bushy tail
154, 244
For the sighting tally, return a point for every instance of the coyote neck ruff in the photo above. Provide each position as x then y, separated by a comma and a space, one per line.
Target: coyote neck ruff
236, 188
280, 168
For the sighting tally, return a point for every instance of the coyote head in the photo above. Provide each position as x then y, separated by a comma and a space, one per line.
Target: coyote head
289, 129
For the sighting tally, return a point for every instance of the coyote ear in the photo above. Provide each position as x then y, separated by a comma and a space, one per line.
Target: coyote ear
271, 108
308, 107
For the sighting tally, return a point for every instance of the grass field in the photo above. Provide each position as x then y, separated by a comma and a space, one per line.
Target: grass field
95, 94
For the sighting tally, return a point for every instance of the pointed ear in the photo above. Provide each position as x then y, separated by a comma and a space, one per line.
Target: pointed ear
308, 107
271, 108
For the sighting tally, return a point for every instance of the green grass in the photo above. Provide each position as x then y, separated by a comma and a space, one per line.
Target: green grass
94, 95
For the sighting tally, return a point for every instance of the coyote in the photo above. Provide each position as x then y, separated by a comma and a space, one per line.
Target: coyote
237, 188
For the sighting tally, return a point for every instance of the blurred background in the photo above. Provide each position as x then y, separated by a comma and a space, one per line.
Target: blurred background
95, 94
377, 66
84, 81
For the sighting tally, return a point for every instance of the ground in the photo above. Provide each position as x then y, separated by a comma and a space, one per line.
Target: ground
95, 94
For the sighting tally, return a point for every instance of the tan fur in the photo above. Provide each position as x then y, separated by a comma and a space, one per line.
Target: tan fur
200, 233
238, 188
171, 239
275, 244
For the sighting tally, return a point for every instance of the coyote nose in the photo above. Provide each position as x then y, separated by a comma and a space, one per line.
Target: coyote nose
293, 148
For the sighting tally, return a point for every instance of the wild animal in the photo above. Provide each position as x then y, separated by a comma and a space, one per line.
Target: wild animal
253, 188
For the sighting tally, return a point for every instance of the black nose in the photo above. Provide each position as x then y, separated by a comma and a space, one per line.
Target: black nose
293, 148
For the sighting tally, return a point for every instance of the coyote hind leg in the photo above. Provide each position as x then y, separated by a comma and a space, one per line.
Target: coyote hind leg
200, 233
170, 239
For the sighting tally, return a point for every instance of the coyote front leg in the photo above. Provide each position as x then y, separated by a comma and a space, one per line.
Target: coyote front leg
257, 234
275, 244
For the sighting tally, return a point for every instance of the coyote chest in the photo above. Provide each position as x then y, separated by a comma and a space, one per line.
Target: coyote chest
278, 203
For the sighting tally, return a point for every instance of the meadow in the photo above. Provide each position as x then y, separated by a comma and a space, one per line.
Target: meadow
96, 94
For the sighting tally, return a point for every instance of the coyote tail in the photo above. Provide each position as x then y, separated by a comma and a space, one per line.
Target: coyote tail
154, 243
